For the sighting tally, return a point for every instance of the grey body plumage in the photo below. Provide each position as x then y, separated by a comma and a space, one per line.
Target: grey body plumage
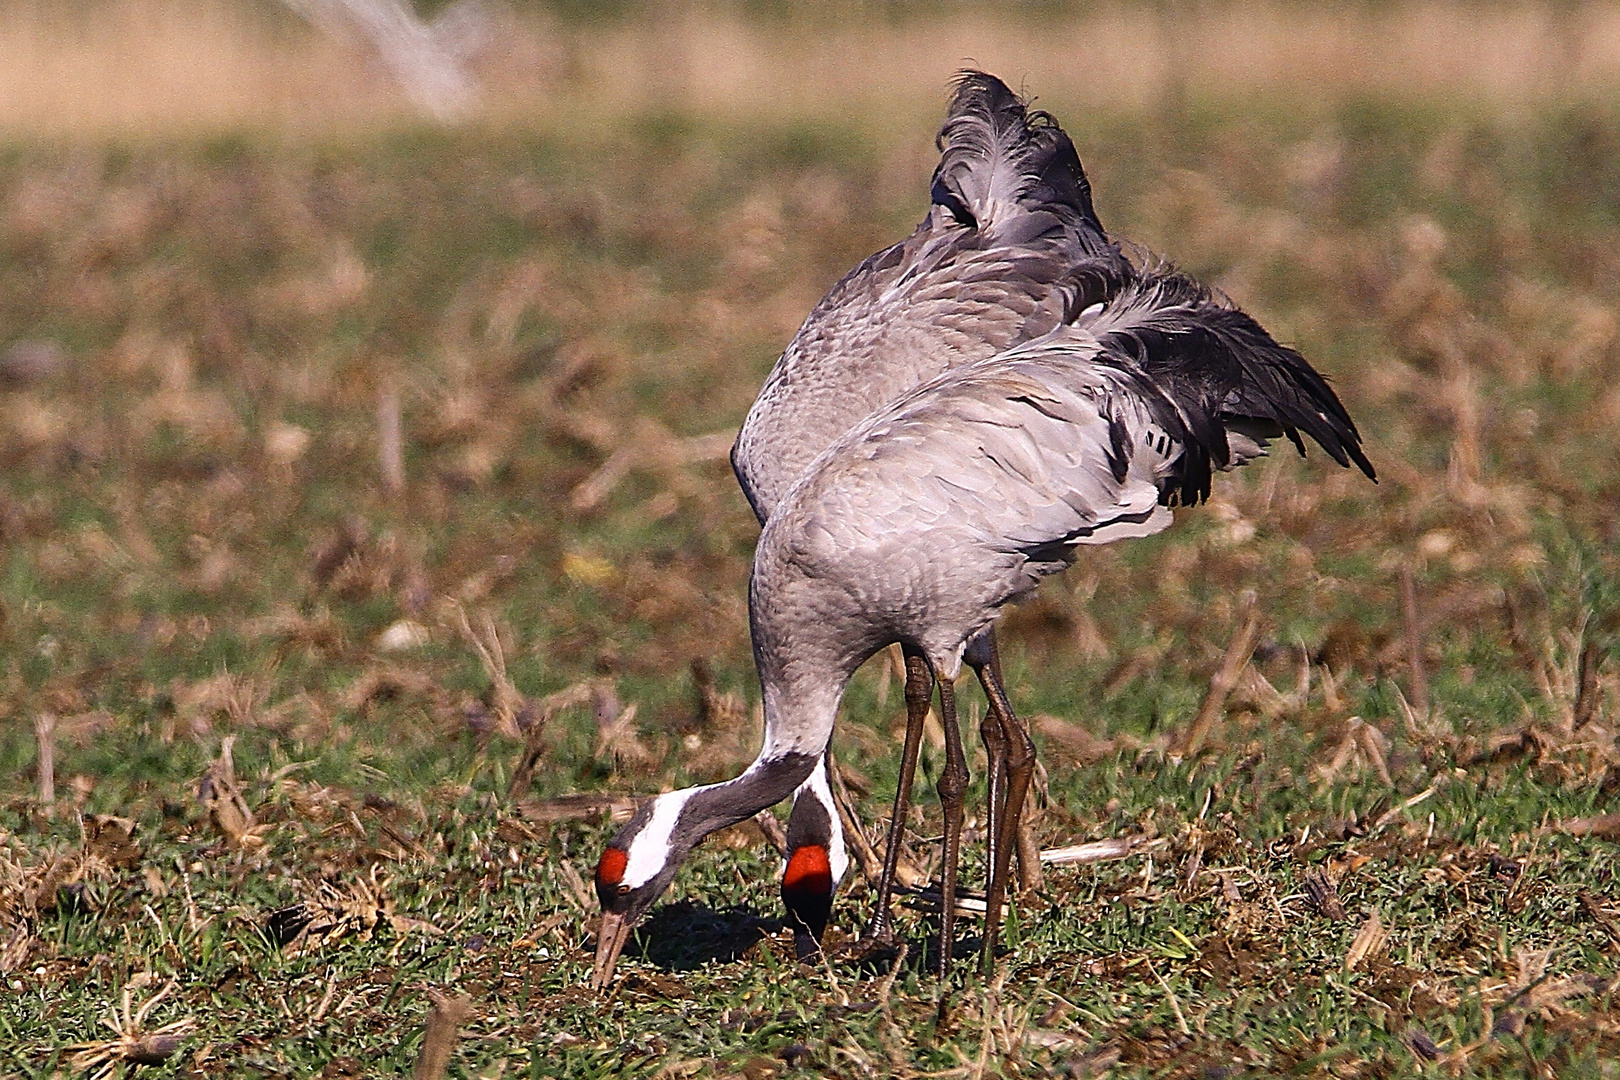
925, 519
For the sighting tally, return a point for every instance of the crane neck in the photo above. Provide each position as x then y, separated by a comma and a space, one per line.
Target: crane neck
797, 727
800, 712
713, 807
802, 681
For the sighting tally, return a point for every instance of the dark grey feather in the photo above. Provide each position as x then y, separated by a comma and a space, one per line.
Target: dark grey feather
1207, 366
1003, 165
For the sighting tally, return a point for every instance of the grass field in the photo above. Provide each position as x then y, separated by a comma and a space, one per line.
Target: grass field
363, 497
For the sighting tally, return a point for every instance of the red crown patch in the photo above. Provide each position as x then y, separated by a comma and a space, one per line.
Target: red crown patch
610, 869
808, 870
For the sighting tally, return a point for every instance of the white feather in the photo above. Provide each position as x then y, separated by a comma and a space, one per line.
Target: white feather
649, 851
837, 857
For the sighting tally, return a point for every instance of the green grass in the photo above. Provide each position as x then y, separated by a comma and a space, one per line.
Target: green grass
197, 545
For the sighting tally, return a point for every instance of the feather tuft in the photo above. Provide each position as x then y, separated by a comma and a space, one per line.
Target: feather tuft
1004, 166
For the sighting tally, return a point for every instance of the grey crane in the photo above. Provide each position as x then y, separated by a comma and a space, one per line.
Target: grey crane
1010, 247
927, 518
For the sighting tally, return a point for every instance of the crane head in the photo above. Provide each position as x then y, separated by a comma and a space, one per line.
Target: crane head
807, 893
815, 859
632, 873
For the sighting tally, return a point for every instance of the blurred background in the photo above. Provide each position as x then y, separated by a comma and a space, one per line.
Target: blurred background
316, 67
324, 323
368, 362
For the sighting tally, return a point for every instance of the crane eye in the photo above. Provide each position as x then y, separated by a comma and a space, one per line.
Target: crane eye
624, 890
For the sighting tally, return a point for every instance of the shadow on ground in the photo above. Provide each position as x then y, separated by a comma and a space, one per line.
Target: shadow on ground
685, 935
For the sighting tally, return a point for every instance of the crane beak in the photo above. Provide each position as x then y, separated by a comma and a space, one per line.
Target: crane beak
610, 941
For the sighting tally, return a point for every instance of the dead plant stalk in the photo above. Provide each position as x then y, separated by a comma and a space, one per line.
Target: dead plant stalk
443, 1032
45, 733
1414, 643
1236, 658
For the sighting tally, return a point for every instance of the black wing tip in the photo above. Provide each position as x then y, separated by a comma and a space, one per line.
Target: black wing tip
1219, 362
1345, 450
1361, 461
1322, 416
1327, 421
1330, 428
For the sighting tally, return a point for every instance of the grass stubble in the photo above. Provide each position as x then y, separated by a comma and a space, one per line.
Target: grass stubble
367, 540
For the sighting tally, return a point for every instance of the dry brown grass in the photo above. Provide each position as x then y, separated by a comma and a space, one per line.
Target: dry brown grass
168, 66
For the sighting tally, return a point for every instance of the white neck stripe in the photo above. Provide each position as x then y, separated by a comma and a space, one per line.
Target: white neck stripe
649, 851
837, 857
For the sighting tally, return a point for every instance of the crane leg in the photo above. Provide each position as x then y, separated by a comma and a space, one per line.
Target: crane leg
1027, 850
984, 657
981, 656
994, 734
1007, 824
952, 786
919, 689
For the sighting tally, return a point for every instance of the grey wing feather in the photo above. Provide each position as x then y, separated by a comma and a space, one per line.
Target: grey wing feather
965, 493
1010, 249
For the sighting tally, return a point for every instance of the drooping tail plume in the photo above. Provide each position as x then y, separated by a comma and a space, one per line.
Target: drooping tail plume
1216, 375
1004, 166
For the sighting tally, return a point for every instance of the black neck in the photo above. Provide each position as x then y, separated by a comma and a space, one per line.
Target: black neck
809, 824
766, 783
